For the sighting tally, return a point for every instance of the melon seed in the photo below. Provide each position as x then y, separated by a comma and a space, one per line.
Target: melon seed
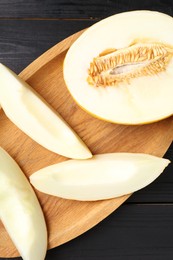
113, 66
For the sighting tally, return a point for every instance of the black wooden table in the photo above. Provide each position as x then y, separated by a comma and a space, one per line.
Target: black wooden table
142, 228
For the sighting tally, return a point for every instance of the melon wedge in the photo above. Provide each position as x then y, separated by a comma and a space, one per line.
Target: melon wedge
103, 176
27, 110
20, 211
121, 68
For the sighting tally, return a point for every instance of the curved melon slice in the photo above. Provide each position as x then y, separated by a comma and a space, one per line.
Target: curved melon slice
103, 176
26, 109
20, 211
121, 68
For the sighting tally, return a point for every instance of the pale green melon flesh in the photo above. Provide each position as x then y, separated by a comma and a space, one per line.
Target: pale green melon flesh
103, 176
20, 211
34, 116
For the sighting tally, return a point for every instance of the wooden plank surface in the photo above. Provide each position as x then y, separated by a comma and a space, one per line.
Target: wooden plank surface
22, 41
121, 236
124, 236
76, 9
128, 234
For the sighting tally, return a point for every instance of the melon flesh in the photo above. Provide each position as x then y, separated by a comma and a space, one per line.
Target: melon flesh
142, 99
31, 113
20, 211
103, 176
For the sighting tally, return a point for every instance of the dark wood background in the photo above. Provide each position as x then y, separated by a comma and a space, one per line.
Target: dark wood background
142, 228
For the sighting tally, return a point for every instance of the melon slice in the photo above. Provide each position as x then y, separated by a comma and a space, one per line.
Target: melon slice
103, 176
121, 68
20, 211
27, 110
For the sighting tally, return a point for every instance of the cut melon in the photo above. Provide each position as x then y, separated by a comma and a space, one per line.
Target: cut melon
103, 176
31, 113
20, 211
121, 68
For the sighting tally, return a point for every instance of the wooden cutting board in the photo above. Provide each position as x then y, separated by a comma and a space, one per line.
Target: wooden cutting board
68, 219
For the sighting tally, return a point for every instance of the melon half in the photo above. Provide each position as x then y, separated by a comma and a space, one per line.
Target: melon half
121, 68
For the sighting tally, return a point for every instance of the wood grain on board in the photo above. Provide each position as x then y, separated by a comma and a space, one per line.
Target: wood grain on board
67, 219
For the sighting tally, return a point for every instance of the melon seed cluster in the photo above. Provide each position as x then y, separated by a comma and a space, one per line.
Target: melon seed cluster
139, 59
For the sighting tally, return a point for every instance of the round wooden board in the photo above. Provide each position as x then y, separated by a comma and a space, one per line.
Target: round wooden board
68, 219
